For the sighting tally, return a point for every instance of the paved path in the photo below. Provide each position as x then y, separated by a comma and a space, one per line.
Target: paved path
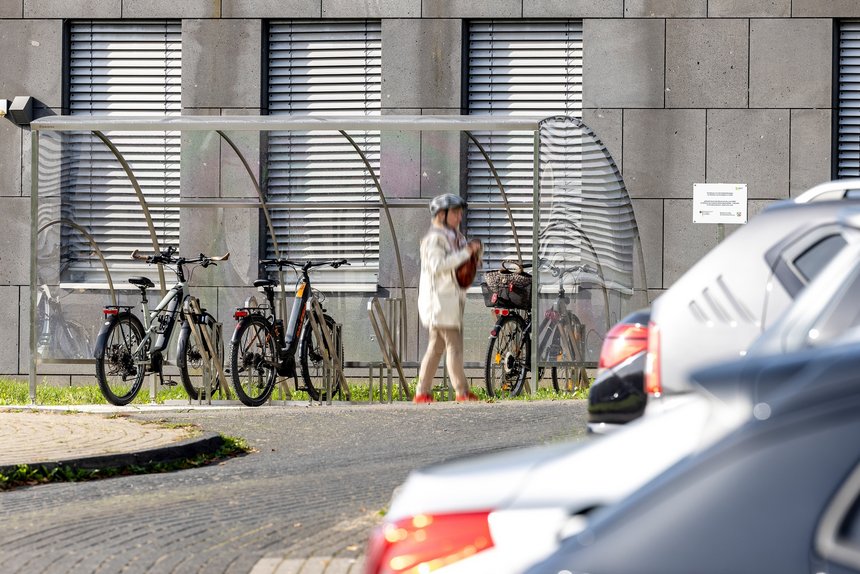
304, 502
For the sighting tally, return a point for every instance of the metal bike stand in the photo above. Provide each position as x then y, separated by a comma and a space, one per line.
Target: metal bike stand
330, 353
387, 345
208, 361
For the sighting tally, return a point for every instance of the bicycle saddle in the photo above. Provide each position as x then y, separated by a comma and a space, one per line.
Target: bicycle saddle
141, 282
265, 283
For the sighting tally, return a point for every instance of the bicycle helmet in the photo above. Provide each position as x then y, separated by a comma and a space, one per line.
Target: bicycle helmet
445, 202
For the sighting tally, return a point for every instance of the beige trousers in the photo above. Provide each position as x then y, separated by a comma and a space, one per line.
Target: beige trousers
442, 339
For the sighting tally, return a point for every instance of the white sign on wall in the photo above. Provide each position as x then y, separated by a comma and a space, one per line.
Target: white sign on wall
719, 203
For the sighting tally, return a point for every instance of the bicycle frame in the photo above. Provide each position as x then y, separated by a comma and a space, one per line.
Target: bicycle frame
172, 303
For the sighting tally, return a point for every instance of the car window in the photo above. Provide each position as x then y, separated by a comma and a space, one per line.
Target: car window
813, 260
838, 536
840, 316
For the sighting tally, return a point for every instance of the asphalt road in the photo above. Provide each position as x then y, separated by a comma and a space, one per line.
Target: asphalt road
321, 477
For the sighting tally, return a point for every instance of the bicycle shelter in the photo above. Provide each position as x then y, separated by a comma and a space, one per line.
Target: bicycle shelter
579, 206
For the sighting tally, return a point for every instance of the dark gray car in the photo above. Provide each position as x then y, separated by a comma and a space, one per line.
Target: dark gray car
780, 494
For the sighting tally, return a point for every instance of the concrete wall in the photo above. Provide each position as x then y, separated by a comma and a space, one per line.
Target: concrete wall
681, 91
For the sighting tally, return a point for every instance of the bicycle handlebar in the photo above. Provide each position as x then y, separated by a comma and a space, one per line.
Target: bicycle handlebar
167, 257
306, 265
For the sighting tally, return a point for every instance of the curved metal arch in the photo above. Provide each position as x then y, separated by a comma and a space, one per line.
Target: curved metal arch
92, 243
140, 198
502, 190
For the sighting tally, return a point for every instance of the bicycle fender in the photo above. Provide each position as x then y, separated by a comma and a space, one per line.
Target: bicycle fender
101, 340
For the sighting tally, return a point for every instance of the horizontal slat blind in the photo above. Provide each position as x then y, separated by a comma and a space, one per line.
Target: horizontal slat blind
849, 100
323, 68
121, 68
516, 68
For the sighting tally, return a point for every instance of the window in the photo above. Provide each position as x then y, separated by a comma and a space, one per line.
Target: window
120, 68
813, 260
325, 68
525, 69
848, 156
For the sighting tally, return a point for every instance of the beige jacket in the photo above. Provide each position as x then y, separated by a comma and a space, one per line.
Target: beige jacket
440, 299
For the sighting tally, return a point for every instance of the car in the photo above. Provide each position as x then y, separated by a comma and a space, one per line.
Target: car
718, 308
779, 493
504, 511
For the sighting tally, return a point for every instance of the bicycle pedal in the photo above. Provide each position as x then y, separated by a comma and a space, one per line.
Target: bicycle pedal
169, 383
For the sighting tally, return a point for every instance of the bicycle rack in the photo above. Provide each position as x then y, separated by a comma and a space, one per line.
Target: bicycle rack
391, 350
204, 343
331, 356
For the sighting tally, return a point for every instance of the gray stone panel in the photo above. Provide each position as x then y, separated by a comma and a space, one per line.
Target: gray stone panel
825, 8
607, 126
442, 154
10, 159
572, 8
410, 225
706, 63
70, 8
200, 160
217, 231
221, 63
623, 63
371, 9
400, 163
421, 64
471, 8
665, 8
32, 60
791, 63
171, 9
270, 8
664, 152
9, 311
649, 220
235, 181
684, 242
811, 134
12, 9
15, 242
749, 8
751, 147
23, 329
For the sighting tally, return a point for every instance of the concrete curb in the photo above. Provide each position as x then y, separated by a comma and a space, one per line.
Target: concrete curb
207, 443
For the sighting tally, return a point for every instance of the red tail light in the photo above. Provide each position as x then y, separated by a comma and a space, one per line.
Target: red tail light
652, 362
108, 311
425, 542
240, 313
622, 342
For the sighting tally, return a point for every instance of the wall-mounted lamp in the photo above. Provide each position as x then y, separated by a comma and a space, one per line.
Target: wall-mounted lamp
20, 111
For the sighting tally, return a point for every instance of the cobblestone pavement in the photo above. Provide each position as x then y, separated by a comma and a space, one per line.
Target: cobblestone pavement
303, 503
37, 437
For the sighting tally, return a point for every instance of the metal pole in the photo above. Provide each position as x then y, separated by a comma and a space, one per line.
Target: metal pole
34, 211
535, 265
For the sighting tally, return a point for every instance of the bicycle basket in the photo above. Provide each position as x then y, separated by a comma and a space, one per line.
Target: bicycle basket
510, 295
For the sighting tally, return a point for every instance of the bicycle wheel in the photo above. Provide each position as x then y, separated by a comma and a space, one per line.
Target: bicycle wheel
253, 361
118, 369
195, 373
311, 360
508, 355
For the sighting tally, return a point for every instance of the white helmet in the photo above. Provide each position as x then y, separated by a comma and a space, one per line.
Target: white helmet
446, 201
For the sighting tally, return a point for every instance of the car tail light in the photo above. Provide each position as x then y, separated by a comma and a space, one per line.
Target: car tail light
622, 342
110, 311
652, 362
426, 542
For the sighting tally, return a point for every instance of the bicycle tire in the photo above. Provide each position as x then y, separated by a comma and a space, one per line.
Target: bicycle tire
118, 360
189, 357
259, 364
508, 356
311, 361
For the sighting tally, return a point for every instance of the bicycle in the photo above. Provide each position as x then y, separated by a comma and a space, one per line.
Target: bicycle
58, 336
127, 349
262, 350
508, 359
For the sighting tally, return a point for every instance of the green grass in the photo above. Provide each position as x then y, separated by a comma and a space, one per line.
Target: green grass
26, 475
16, 392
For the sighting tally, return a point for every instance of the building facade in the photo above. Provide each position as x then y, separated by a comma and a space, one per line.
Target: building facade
681, 92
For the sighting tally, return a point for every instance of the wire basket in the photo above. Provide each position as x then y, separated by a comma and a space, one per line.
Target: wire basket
511, 295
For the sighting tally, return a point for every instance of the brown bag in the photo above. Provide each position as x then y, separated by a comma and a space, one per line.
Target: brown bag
466, 271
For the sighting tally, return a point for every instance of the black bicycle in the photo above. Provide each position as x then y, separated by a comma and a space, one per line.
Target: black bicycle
261, 349
126, 351
560, 340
